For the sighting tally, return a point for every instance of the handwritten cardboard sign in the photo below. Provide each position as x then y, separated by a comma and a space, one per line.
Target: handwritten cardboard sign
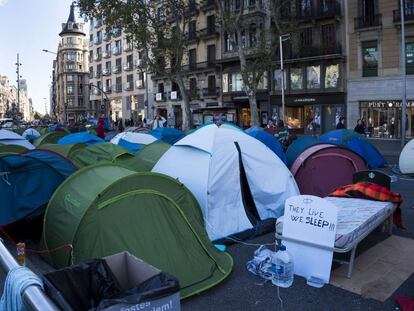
312, 220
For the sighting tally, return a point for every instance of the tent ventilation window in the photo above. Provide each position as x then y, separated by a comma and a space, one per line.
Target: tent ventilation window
248, 202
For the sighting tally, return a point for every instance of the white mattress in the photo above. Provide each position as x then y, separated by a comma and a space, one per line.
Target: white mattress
355, 217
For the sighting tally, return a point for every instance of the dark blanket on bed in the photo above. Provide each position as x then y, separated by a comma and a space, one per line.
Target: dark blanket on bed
372, 192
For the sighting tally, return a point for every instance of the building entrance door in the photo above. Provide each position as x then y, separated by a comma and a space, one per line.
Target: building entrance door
328, 118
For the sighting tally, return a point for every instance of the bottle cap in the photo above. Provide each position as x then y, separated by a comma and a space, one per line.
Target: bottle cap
282, 247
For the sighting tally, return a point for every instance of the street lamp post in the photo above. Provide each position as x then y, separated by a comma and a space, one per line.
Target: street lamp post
404, 76
282, 38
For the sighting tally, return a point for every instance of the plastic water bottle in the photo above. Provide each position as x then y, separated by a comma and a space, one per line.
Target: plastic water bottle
282, 267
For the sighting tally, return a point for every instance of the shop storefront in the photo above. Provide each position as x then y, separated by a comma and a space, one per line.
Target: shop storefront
310, 114
383, 118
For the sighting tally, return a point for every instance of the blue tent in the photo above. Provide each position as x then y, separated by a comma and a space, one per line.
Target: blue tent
357, 143
297, 147
28, 180
267, 139
81, 137
167, 135
132, 147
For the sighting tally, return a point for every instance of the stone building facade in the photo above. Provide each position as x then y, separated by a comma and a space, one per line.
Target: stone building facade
118, 87
375, 78
71, 73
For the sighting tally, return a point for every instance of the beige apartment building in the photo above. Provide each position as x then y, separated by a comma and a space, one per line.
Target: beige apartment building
201, 70
71, 73
117, 86
8, 99
375, 82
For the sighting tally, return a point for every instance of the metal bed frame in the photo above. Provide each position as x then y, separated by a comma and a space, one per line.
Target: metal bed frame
351, 247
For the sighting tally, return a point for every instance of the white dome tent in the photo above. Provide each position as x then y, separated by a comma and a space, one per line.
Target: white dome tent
11, 138
406, 161
31, 134
135, 138
225, 169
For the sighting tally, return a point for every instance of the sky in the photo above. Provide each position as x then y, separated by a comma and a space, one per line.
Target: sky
27, 27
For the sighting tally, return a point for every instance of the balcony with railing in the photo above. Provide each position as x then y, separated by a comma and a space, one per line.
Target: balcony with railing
106, 71
116, 32
116, 50
98, 40
368, 21
97, 57
107, 36
116, 69
140, 84
210, 92
192, 9
98, 23
255, 8
313, 51
408, 15
208, 33
128, 66
97, 75
328, 9
128, 47
129, 86
118, 88
107, 89
207, 5
192, 36
106, 54
91, 43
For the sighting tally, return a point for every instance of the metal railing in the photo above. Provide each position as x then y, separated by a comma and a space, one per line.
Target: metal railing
34, 297
368, 21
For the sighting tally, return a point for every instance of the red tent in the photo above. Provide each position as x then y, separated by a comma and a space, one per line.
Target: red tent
323, 168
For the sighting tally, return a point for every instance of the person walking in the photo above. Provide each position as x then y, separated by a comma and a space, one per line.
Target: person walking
120, 126
158, 122
100, 131
341, 124
360, 127
270, 127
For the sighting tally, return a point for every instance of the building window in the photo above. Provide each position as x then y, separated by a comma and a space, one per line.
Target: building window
69, 78
211, 84
313, 77
69, 40
192, 58
304, 8
118, 85
69, 90
252, 38
161, 88
332, 76
211, 23
192, 30
278, 79
328, 38
225, 82
211, 54
193, 87
128, 102
370, 59
228, 47
70, 67
306, 37
236, 82
71, 56
409, 58
296, 79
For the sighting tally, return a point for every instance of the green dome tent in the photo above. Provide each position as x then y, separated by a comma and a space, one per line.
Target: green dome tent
151, 153
67, 151
49, 138
43, 130
12, 148
152, 216
107, 153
